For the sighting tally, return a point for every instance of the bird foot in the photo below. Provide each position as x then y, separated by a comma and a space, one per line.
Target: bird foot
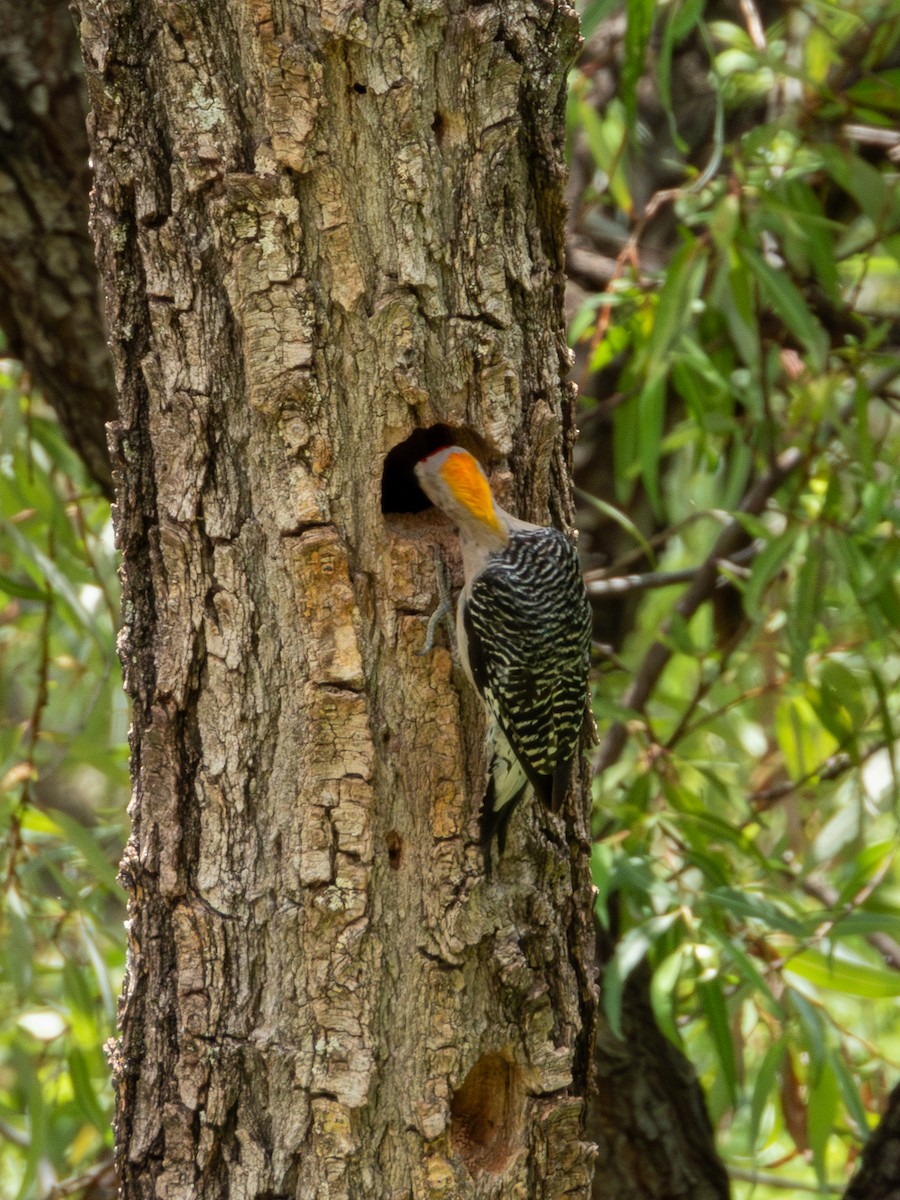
444, 609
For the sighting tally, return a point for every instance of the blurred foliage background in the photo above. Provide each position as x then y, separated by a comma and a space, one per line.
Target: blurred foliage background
63, 790
733, 258
734, 254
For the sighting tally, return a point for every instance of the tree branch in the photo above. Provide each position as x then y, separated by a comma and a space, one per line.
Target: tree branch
599, 584
50, 309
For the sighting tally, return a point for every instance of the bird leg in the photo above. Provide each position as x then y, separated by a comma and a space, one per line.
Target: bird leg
444, 609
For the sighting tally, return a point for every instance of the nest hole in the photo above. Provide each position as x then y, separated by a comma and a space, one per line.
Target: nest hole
400, 491
395, 849
486, 1114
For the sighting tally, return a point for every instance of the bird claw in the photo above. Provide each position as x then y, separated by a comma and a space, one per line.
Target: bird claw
444, 609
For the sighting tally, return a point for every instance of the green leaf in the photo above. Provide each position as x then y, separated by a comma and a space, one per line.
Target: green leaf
602, 858
889, 737
663, 993
85, 841
765, 567
804, 609
813, 1030
585, 319
18, 945
22, 591
790, 305
593, 13
37, 1126
605, 137
737, 304
849, 1092
680, 21
100, 967
615, 342
44, 569
822, 1107
651, 416
80, 995
750, 975
764, 1089
677, 635
49, 435
83, 1090
842, 975
712, 999
862, 924
804, 741
675, 306
622, 520
639, 25
745, 904
864, 867
630, 953
871, 190
845, 690
816, 230
720, 830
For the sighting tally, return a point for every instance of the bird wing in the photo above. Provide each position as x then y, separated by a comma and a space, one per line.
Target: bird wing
528, 627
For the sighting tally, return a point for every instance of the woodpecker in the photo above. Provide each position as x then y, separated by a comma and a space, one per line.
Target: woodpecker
523, 627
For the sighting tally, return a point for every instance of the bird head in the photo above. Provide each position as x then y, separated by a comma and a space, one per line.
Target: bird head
453, 480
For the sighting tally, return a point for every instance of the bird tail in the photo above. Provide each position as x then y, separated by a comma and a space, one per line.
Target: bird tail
506, 786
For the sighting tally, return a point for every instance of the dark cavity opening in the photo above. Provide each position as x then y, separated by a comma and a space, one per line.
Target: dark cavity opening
395, 849
400, 491
486, 1114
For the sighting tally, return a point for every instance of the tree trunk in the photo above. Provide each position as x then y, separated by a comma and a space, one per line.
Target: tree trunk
646, 1111
49, 290
878, 1174
321, 227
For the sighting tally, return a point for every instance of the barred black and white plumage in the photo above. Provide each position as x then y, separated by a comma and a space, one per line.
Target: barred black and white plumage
528, 626
524, 635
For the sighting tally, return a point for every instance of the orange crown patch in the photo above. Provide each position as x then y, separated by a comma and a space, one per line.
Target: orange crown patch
468, 483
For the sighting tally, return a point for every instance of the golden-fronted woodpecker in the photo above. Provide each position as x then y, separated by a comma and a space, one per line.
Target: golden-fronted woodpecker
523, 628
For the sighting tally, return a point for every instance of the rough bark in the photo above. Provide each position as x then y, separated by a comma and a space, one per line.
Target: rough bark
50, 309
321, 226
878, 1174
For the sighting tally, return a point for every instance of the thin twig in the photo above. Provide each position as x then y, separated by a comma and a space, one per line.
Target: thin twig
754, 24
598, 584
597, 270
819, 890
884, 378
754, 693
16, 1136
663, 537
832, 768
618, 585
784, 1185
871, 135
100, 1176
